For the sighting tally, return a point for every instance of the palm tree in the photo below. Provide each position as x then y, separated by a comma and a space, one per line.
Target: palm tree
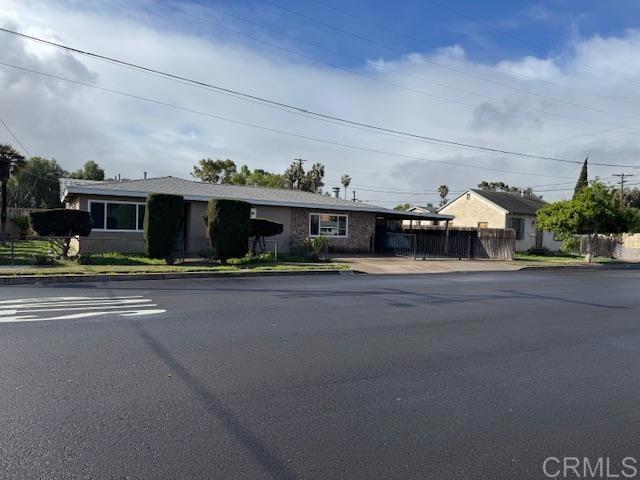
346, 181
10, 161
443, 190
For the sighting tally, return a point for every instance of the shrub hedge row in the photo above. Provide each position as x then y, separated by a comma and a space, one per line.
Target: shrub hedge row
164, 216
228, 227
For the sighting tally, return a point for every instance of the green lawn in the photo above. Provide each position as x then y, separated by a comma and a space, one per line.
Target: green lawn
71, 268
555, 259
23, 251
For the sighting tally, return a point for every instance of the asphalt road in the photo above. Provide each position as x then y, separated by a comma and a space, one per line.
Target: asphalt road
458, 376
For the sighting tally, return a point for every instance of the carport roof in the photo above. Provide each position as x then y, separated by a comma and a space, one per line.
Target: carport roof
198, 191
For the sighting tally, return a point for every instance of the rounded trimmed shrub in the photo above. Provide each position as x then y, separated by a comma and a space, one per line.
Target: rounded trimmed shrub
163, 217
228, 227
61, 222
261, 228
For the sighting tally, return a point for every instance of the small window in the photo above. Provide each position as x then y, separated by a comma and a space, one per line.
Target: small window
468, 196
97, 214
483, 224
253, 213
327, 225
141, 208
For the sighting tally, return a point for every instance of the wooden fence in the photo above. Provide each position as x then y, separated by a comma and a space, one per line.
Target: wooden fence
621, 247
456, 242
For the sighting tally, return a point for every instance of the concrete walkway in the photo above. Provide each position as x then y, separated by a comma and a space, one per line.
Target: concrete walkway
402, 265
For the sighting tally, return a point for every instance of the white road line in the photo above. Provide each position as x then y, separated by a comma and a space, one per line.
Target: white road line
64, 299
74, 316
28, 309
73, 304
67, 309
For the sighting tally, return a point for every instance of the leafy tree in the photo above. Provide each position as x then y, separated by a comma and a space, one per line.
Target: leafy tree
257, 178
403, 206
583, 180
346, 181
313, 180
10, 162
90, 171
214, 171
502, 187
294, 175
443, 190
592, 211
297, 179
37, 184
632, 198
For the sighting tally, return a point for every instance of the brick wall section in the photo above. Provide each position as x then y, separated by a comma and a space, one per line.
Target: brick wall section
360, 230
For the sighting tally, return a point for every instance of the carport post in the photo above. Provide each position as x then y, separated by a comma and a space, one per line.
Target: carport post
446, 238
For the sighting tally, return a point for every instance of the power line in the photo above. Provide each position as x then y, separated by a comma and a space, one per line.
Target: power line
269, 129
441, 65
14, 137
384, 67
303, 110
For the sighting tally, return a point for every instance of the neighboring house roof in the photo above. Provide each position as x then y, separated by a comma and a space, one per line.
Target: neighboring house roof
198, 191
65, 182
422, 209
514, 202
510, 202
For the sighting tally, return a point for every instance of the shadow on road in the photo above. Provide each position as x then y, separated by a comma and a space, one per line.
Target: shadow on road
401, 298
258, 450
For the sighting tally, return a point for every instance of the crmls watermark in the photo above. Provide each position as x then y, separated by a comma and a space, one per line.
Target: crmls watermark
590, 467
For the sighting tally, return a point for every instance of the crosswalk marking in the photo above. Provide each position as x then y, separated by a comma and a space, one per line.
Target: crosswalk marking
68, 308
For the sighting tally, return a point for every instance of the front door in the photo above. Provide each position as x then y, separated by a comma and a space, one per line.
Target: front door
539, 234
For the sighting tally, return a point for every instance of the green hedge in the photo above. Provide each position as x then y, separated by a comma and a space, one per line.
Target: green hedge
228, 227
163, 216
61, 222
262, 227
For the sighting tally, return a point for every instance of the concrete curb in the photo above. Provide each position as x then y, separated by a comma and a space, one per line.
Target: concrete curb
50, 279
593, 266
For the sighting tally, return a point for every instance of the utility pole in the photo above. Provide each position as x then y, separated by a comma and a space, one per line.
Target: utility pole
300, 170
622, 177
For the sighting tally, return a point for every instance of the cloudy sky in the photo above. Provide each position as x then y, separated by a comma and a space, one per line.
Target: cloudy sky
555, 78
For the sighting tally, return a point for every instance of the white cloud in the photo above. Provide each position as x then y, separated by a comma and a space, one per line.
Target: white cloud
75, 124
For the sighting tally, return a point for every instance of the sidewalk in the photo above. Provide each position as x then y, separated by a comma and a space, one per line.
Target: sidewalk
402, 265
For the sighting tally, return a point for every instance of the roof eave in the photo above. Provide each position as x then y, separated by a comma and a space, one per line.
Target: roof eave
79, 190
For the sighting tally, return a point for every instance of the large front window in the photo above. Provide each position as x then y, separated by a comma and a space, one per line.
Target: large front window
117, 215
327, 225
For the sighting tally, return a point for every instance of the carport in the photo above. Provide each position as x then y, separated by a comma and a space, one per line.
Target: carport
391, 230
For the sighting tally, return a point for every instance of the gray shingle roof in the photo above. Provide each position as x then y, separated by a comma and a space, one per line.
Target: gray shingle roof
199, 191
514, 202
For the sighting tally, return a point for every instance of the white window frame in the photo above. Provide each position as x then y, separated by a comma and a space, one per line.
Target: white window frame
104, 219
346, 235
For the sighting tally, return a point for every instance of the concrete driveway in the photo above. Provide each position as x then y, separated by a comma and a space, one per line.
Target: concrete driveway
379, 264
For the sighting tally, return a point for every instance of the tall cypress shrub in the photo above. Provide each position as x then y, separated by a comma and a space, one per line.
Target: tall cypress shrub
163, 217
229, 226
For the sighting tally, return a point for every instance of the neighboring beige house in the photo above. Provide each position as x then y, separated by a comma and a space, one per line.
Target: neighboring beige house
483, 209
118, 207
